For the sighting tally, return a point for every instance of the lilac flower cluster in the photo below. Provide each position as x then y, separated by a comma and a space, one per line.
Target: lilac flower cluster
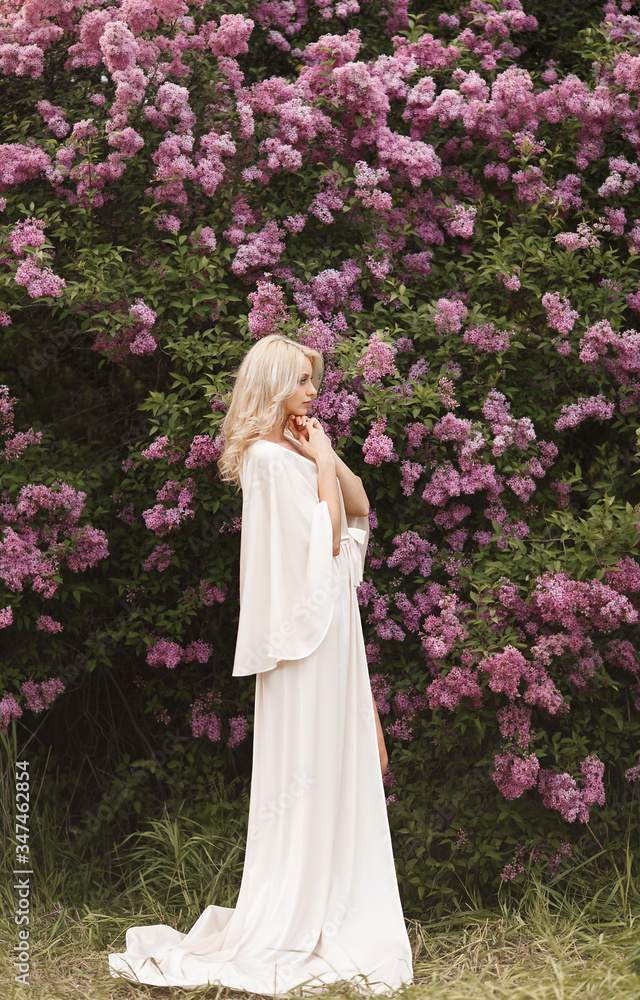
378, 447
204, 721
378, 359
449, 315
203, 451
514, 774
161, 519
486, 338
560, 791
165, 653
573, 414
38, 697
560, 315
45, 535
267, 309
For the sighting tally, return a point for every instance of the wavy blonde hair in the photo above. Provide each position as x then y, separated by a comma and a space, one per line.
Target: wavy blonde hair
269, 373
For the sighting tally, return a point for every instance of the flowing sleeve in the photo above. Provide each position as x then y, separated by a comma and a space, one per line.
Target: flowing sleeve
358, 529
288, 578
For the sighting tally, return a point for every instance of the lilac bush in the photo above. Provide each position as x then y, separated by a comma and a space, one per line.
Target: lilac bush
446, 205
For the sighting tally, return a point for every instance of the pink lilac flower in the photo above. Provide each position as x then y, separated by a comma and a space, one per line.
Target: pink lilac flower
204, 450
207, 238
548, 453
412, 553
268, 311
378, 446
573, 414
160, 448
262, 249
40, 281
511, 281
414, 434
445, 392
204, 721
168, 223
631, 774
448, 691
9, 709
20, 163
624, 576
461, 221
197, 650
164, 653
378, 359
211, 594
486, 338
507, 429
505, 670
514, 719
511, 871
401, 729
441, 632
411, 472
14, 447
46, 624
295, 223
562, 492
449, 315
560, 791
566, 193
29, 233
160, 558
231, 37
523, 486
238, 729
583, 239
6, 617
621, 653
513, 774
560, 315
41, 696
531, 185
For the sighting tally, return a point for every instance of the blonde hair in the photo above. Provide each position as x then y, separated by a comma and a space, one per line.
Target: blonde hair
269, 373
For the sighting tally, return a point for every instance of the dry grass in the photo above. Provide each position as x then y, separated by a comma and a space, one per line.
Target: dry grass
541, 952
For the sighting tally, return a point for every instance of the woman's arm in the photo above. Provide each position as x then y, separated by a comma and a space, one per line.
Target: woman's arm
313, 440
356, 502
328, 490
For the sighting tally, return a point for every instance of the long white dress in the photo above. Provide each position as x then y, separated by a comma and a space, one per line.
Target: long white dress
318, 901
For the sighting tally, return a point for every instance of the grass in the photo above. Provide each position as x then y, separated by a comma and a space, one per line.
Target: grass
542, 951
582, 944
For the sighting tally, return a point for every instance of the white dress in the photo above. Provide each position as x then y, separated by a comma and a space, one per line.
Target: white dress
318, 901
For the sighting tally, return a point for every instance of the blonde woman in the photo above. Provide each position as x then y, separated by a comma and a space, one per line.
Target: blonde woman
319, 900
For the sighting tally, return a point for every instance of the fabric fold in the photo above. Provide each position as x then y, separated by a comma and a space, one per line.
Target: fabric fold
287, 539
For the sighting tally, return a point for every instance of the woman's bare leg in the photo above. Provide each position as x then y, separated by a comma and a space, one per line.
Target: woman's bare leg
384, 759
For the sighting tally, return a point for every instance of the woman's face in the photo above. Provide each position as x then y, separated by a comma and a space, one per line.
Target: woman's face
300, 400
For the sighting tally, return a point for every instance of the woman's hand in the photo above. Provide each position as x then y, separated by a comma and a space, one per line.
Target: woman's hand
311, 436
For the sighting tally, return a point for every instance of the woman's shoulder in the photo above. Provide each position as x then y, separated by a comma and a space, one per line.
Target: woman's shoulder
271, 450
284, 467
265, 454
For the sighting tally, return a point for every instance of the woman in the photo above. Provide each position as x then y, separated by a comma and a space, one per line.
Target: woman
319, 901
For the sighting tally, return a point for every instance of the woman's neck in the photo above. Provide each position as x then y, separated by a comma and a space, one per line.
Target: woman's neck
277, 434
